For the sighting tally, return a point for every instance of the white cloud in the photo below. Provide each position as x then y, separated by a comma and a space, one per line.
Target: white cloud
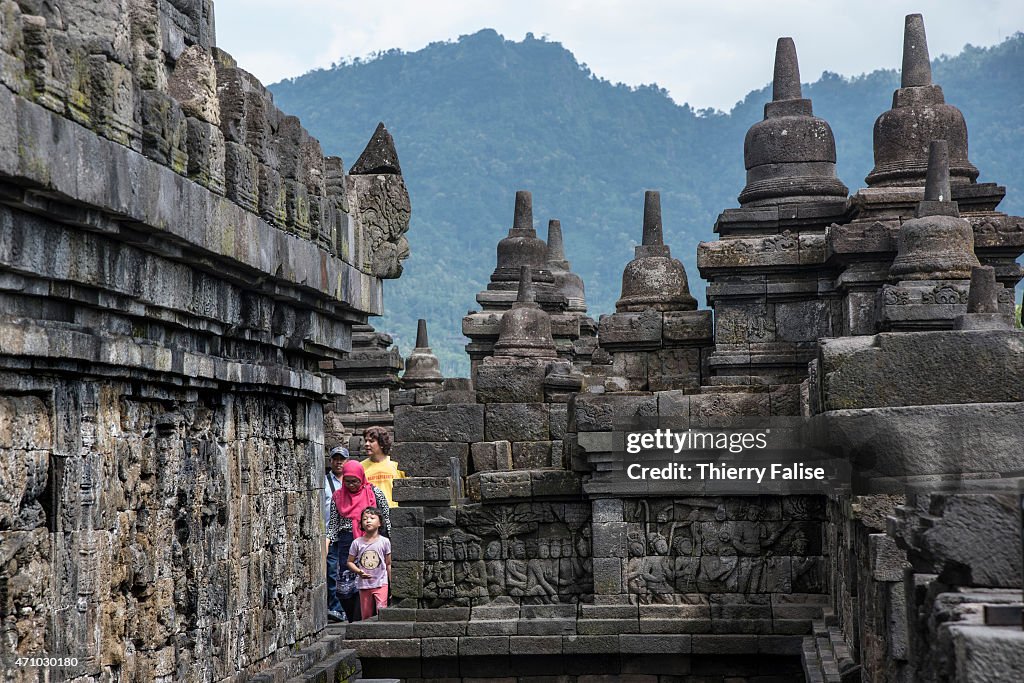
707, 54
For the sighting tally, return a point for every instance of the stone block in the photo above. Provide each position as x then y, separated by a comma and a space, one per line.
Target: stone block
601, 627
371, 628
439, 629
598, 413
636, 330
797, 321
406, 542
496, 627
439, 647
674, 404
520, 383
910, 369
443, 614
988, 654
706, 644
490, 456
531, 455
688, 327
887, 561
667, 644
426, 459
545, 627
607, 575
536, 645
558, 419
967, 539
406, 579
459, 423
397, 648
406, 517
422, 489
503, 485
555, 483
607, 510
675, 625
674, 368
620, 611
517, 422
584, 645
478, 646
609, 539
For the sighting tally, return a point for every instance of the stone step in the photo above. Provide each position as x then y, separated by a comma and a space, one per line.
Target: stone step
303, 664
826, 657
342, 667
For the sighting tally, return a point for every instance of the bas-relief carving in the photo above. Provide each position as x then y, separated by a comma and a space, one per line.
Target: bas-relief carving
534, 554
677, 548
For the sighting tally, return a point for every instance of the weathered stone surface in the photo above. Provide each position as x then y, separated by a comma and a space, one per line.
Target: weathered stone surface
510, 383
894, 369
593, 413
637, 330
967, 539
528, 455
516, 422
458, 423
429, 459
491, 455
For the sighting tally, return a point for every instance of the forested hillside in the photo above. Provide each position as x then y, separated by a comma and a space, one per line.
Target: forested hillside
476, 119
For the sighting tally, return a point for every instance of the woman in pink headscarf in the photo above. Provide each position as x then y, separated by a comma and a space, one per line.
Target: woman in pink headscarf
353, 496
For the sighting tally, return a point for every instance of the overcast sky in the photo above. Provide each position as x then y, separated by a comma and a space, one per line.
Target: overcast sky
709, 54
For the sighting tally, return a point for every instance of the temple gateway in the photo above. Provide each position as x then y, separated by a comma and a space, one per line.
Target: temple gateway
186, 283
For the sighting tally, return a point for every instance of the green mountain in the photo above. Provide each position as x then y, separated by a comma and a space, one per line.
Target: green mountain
476, 119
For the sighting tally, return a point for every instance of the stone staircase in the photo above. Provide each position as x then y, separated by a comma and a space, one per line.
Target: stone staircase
826, 656
325, 661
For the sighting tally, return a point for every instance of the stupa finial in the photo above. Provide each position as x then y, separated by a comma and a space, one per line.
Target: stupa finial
917, 69
653, 235
556, 248
526, 294
421, 334
523, 219
786, 83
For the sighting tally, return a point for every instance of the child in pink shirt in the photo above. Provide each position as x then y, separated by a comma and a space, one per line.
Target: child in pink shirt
370, 559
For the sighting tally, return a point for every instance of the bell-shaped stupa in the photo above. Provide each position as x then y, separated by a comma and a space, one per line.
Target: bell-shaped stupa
653, 279
790, 156
919, 115
525, 328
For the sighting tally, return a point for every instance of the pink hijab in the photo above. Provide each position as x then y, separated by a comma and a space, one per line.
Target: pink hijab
349, 504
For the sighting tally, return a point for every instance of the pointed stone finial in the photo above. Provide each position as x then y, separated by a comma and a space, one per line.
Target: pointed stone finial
937, 201
652, 219
379, 156
556, 250
786, 84
421, 334
526, 294
523, 219
917, 69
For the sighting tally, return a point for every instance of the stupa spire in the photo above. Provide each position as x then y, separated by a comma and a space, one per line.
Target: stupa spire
653, 234
917, 68
786, 83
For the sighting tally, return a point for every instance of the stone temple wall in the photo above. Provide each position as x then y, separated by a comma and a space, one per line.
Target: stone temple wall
178, 260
